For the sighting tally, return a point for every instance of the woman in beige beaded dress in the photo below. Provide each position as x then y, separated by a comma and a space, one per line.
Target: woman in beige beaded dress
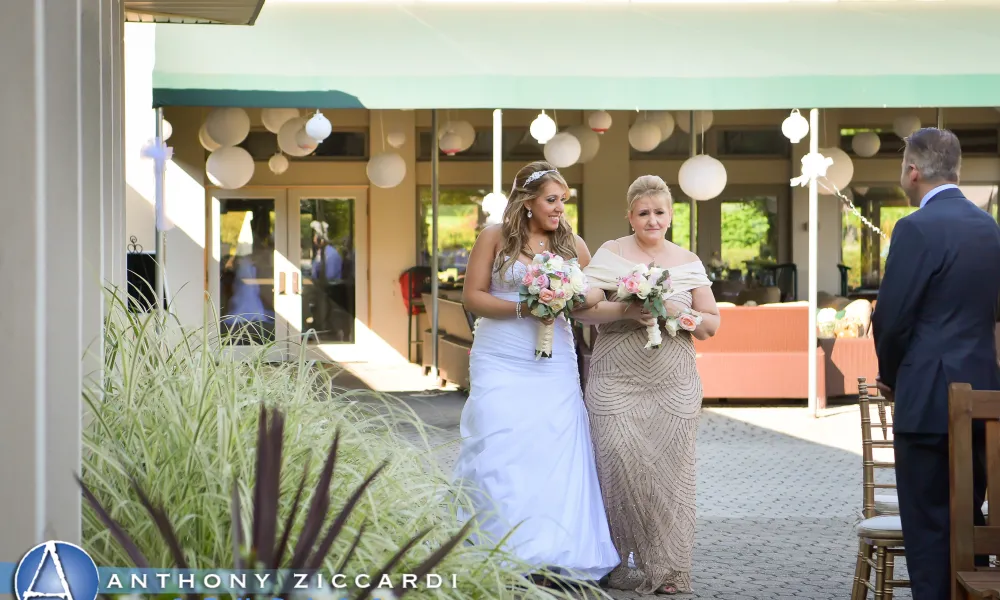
645, 404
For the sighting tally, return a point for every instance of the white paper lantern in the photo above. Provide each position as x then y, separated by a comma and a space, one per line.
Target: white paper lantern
463, 129
590, 142
288, 140
494, 205
206, 140
866, 144
318, 127
168, 130
228, 126
396, 138
451, 143
305, 141
795, 127
702, 121
839, 173
702, 177
278, 163
905, 125
543, 128
231, 166
861, 190
599, 121
563, 150
664, 121
386, 169
274, 118
644, 135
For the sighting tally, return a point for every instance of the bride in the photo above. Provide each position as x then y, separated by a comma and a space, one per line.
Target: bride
526, 450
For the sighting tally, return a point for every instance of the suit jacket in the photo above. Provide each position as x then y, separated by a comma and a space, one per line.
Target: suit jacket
937, 309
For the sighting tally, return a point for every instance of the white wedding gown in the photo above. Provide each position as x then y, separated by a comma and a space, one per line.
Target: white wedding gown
526, 447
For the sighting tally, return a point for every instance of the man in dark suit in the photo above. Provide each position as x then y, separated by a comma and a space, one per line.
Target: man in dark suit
934, 325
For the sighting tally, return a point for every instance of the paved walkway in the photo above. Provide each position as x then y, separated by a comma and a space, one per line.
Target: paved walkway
778, 497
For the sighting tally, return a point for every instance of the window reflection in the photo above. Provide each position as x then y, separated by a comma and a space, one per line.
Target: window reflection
246, 273
328, 268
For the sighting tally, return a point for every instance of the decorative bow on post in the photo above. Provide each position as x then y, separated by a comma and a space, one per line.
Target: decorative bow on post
160, 152
814, 166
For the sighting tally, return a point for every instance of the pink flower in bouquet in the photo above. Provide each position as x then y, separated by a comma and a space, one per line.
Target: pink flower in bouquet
542, 281
632, 285
561, 293
528, 279
688, 322
546, 296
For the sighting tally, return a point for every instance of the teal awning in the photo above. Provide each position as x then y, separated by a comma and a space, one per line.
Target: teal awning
589, 56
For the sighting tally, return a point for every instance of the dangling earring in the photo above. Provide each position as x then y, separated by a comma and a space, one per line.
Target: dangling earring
529, 213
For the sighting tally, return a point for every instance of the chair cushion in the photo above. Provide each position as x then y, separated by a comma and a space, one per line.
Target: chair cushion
883, 527
886, 504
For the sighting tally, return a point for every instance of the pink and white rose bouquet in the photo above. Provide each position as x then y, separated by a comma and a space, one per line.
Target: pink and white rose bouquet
553, 286
647, 285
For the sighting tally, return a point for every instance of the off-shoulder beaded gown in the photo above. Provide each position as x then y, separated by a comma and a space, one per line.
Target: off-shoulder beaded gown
526, 446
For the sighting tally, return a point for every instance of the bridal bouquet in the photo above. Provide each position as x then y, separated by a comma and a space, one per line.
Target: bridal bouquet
647, 284
552, 286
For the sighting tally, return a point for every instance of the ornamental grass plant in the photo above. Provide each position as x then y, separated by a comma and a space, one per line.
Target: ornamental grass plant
196, 456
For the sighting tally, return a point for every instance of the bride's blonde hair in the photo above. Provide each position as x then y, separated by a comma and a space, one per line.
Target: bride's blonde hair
514, 230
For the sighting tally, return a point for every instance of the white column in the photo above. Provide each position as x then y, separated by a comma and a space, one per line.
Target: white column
814, 134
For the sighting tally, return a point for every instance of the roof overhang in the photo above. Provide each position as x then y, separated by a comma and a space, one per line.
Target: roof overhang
193, 12
589, 55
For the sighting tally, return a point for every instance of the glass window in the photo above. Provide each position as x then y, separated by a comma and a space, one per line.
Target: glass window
974, 141
677, 145
340, 145
246, 269
327, 267
460, 220
749, 232
753, 142
518, 145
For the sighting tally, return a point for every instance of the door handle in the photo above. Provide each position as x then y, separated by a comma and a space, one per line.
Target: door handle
281, 282
295, 283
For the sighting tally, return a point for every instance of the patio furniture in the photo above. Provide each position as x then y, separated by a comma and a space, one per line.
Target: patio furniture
454, 342
880, 534
786, 277
414, 282
965, 408
846, 360
843, 278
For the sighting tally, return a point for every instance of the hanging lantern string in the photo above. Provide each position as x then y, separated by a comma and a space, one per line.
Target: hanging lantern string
828, 186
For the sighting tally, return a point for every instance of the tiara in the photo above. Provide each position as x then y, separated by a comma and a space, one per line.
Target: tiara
536, 175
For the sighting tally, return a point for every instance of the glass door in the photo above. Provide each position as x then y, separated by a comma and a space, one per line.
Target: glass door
329, 249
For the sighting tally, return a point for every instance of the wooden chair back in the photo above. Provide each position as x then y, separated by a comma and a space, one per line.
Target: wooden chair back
881, 440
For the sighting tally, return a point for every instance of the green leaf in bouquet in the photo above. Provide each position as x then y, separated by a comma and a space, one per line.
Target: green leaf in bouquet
658, 309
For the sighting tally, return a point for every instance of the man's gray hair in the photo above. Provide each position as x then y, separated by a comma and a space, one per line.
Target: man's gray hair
936, 153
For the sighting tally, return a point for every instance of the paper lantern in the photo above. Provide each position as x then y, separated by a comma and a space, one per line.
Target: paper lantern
644, 135
590, 141
396, 138
861, 190
905, 125
451, 143
702, 177
664, 121
543, 128
168, 130
494, 205
795, 127
274, 118
839, 173
599, 121
318, 127
288, 140
231, 166
306, 141
386, 169
278, 163
866, 144
563, 150
702, 121
228, 126
463, 129
206, 140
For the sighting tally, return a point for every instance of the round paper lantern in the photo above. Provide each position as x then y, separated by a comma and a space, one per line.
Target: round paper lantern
795, 127
840, 172
396, 138
278, 163
206, 140
288, 137
228, 126
590, 141
306, 141
543, 128
274, 118
463, 129
599, 121
386, 169
644, 135
905, 126
866, 144
702, 177
231, 166
563, 150
494, 205
451, 143
168, 130
861, 190
319, 127
664, 121
702, 121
